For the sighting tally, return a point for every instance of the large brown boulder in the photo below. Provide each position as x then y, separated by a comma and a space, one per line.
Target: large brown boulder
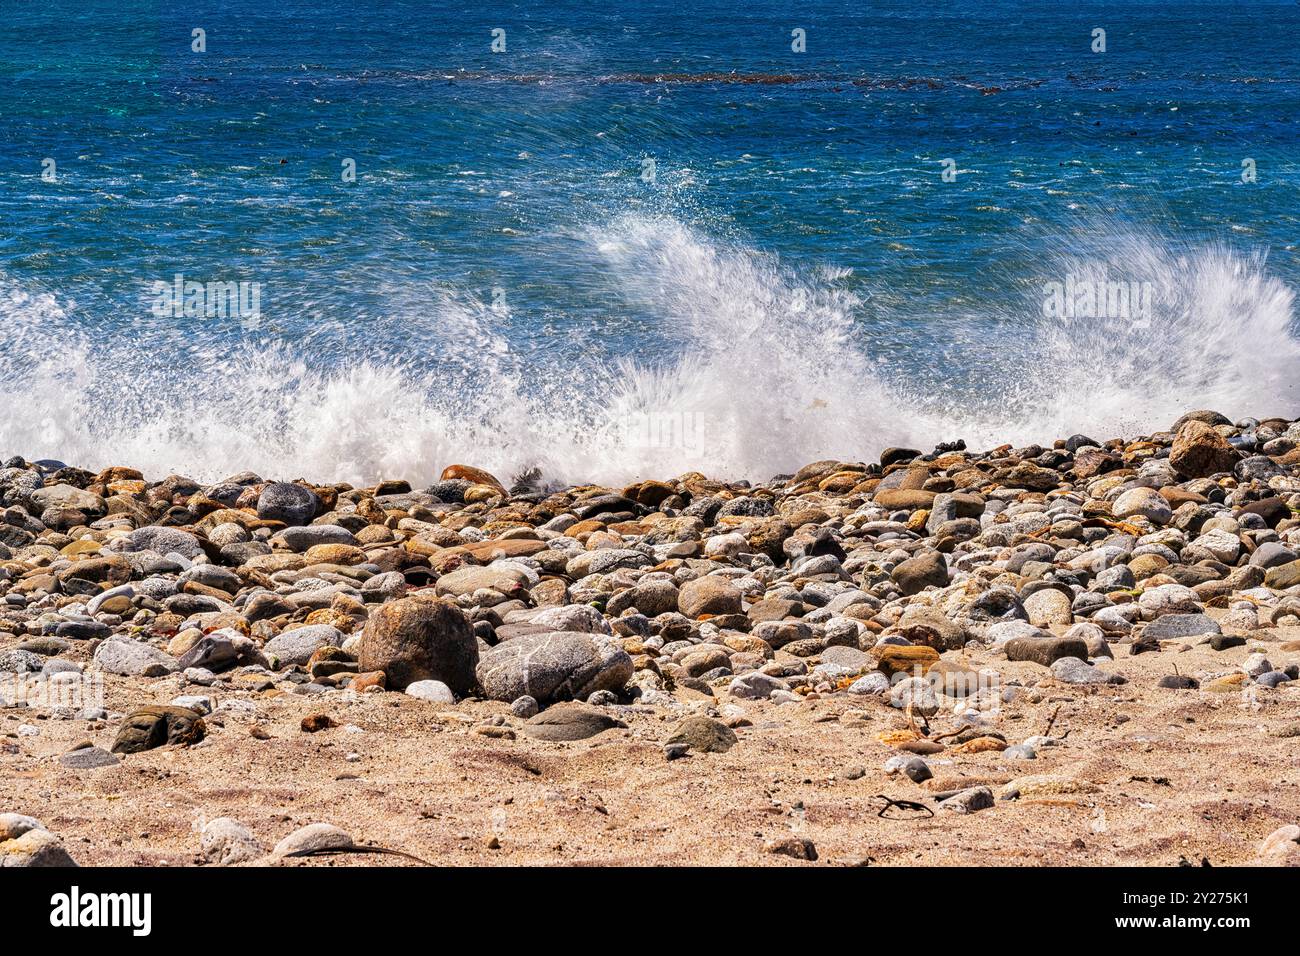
710, 594
923, 571
905, 499
469, 473
109, 572
1199, 451
420, 638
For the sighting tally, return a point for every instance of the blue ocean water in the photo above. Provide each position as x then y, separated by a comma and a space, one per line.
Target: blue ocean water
637, 219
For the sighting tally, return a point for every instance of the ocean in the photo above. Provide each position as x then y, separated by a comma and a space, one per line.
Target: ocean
352, 241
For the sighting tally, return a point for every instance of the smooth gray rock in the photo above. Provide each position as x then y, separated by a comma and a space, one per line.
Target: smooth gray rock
224, 841
564, 665
844, 656
524, 707
66, 496
89, 758
914, 575
134, 659
122, 590
1272, 554
1173, 626
306, 536
313, 837
874, 684
1072, 670
702, 735
298, 645
969, 801
434, 691
215, 650
163, 540
755, 686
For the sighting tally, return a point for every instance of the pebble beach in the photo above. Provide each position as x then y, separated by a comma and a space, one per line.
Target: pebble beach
1085, 652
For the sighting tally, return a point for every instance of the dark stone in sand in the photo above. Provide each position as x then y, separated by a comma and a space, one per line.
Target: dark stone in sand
798, 848
1272, 510
151, 727
82, 630
570, 721
703, 735
747, 508
1045, 650
452, 490
1221, 642
606, 504
287, 502
1144, 644
892, 456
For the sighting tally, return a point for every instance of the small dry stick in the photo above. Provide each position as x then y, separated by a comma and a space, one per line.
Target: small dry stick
334, 850
951, 733
1051, 720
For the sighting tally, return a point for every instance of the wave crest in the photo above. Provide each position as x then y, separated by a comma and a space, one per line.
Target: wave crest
750, 367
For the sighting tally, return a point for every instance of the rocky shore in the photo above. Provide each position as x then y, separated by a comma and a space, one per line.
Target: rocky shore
1086, 653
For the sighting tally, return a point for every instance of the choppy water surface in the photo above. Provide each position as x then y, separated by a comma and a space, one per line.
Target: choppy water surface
506, 283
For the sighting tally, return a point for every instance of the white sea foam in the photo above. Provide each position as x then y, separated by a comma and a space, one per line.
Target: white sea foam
752, 367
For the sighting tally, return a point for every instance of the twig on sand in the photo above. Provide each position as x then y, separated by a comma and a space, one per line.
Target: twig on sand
1051, 720
950, 733
908, 806
331, 851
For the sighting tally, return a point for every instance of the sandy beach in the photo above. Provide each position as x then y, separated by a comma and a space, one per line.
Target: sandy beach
1084, 653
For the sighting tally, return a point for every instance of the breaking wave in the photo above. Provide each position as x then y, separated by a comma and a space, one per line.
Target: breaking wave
750, 367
